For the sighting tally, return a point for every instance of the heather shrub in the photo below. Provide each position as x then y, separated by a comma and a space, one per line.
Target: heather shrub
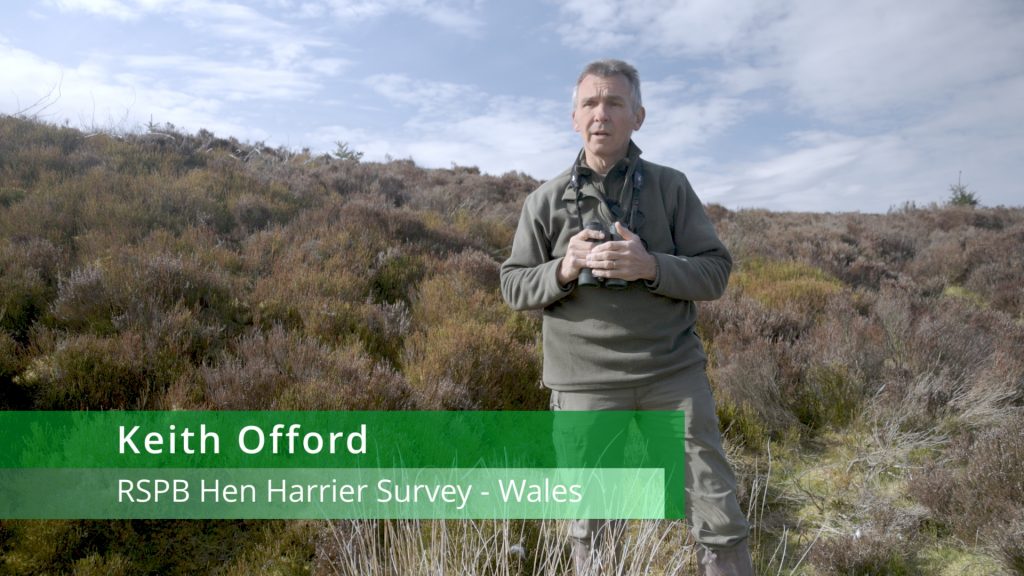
284, 548
745, 321
382, 227
23, 298
394, 274
11, 363
351, 252
87, 372
869, 554
312, 288
894, 310
379, 328
885, 538
84, 302
306, 272
979, 491
477, 268
894, 247
748, 392
941, 256
252, 212
279, 370
10, 195
38, 547
125, 546
460, 364
28, 281
489, 234
101, 297
169, 279
469, 350
165, 345
108, 565
455, 295
1000, 284
995, 391
830, 396
465, 287
747, 346
837, 365
29, 150
957, 362
780, 366
1010, 547
740, 232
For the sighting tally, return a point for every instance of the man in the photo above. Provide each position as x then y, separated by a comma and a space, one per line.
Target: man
631, 348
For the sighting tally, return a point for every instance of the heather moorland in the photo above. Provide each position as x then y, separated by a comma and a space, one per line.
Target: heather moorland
868, 368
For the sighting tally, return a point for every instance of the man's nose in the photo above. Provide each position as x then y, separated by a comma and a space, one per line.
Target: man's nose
600, 112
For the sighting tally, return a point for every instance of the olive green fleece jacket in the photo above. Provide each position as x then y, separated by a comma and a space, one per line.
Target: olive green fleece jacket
597, 338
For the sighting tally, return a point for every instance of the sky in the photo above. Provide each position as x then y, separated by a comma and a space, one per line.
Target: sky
787, 105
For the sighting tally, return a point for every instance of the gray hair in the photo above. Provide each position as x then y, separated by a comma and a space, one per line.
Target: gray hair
606, 69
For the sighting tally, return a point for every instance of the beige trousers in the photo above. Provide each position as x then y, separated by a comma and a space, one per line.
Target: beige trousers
711, 506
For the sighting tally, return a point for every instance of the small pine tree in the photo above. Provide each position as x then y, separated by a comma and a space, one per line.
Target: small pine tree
345, 152
961, 196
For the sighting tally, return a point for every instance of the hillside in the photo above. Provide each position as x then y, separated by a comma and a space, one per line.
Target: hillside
868, 368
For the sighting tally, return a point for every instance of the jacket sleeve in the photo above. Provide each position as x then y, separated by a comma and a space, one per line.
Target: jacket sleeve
528, 277
700, 268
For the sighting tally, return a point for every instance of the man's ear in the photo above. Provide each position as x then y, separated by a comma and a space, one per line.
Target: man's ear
575, 126
640, 115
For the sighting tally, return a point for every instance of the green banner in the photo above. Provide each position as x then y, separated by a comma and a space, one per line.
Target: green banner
49, 453
303, 493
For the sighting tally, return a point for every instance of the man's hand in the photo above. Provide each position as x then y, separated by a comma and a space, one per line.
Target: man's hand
626, 258
575, 258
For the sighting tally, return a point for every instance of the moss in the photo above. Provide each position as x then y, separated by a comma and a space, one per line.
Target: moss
947, 559
961, 293
780, 284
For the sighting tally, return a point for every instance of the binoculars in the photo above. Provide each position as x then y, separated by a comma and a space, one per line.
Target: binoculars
587, 277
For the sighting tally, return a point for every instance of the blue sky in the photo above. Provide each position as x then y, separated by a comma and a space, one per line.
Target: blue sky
811, 105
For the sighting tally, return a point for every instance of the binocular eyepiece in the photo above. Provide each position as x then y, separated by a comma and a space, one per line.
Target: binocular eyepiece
587, 277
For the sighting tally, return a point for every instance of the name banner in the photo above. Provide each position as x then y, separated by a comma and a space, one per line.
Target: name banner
315, 465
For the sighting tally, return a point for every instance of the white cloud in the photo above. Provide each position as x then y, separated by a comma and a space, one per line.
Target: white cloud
681, 119
819, 172
694, 27
91, 95
312, 10
262, 61
447, 123
427, 96
223, 21
108, 8
839, 105
224, 80
864, 58
839, 60
459, 16
909, 92
227, 21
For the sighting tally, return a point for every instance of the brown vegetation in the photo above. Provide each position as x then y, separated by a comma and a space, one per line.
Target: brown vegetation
868, 368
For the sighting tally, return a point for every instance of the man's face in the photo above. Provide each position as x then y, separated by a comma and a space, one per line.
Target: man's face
605, 118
